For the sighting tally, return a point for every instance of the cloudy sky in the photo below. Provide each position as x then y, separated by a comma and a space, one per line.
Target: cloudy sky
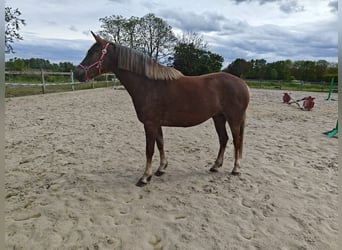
250, 29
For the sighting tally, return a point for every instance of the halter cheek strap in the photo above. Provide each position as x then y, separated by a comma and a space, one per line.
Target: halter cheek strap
97, 64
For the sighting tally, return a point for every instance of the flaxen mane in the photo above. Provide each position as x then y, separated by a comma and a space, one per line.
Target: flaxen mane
139, 63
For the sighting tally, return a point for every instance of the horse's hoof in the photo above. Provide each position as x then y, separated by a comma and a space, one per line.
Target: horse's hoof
142, 182
159, 173
162, 171
236, 173
213, 169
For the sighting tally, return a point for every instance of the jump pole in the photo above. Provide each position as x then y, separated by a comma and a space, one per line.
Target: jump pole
333, 132
330, 89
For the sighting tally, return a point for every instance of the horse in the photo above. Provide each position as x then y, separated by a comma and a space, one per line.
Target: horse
163, 96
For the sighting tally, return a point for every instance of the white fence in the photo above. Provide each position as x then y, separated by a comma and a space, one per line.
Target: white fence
43, 83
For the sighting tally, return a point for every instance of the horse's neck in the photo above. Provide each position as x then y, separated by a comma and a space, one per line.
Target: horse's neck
132, 82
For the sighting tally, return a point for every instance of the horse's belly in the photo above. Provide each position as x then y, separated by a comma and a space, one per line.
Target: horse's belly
185, 119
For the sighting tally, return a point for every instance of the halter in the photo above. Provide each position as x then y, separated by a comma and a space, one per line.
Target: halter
98, 63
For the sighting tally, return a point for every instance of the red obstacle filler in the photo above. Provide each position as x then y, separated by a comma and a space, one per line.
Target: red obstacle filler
286, 98
308, 103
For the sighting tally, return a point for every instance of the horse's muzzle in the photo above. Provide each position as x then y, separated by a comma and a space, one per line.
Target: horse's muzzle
79, 74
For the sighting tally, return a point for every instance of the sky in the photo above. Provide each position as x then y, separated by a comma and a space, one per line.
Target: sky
274, 30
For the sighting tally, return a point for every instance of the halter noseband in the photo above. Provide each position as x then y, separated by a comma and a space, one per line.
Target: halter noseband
98, 63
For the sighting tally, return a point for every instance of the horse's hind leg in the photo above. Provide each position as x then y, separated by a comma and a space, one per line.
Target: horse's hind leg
220, 126
160, 145
238, 132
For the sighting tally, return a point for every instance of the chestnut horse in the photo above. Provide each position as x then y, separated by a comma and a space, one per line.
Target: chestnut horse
163, 96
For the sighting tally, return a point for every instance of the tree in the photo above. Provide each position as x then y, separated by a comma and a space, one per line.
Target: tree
238, 67
305, 70
321, 69
17, 64
257, 69
121, 30
158, 37
286, 70
194, 38
12, 26
132, 29
65, 67
282, 69
274, 74
113, 28
149, 34
192, 61
191, 57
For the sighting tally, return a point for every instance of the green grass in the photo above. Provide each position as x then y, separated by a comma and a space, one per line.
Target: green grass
36, 78
315, 87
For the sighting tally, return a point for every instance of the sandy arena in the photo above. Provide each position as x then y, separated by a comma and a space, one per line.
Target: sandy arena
72, 161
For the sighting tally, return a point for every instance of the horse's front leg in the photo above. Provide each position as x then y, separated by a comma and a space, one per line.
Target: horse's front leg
151, 132
163, 161
220, 126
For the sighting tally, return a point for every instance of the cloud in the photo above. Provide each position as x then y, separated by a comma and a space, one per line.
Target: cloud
73, 28
51, 23
291, 6
54, 50
151, 5
287, 6
120, 1
273, 42
233, 38
86, 32
197, 22
333, 6
260, 1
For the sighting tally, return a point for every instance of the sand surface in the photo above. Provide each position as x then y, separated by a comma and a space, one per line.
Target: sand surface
72, 161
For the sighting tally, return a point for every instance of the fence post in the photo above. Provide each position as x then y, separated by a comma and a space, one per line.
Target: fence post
42, 80
72, 80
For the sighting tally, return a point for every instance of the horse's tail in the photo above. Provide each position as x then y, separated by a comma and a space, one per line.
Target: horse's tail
242, 130
243, 123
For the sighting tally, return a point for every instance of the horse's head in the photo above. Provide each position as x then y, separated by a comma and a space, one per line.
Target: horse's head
96, 61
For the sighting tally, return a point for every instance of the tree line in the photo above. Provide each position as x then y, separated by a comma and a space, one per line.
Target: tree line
305, 70
18, 64
192, 61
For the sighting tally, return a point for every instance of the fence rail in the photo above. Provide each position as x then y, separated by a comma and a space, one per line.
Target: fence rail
43, 84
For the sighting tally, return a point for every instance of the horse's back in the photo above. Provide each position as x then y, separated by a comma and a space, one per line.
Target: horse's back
228, 86
220, 84
228, 80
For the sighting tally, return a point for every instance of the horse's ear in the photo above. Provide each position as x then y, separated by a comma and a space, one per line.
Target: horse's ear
97, 38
